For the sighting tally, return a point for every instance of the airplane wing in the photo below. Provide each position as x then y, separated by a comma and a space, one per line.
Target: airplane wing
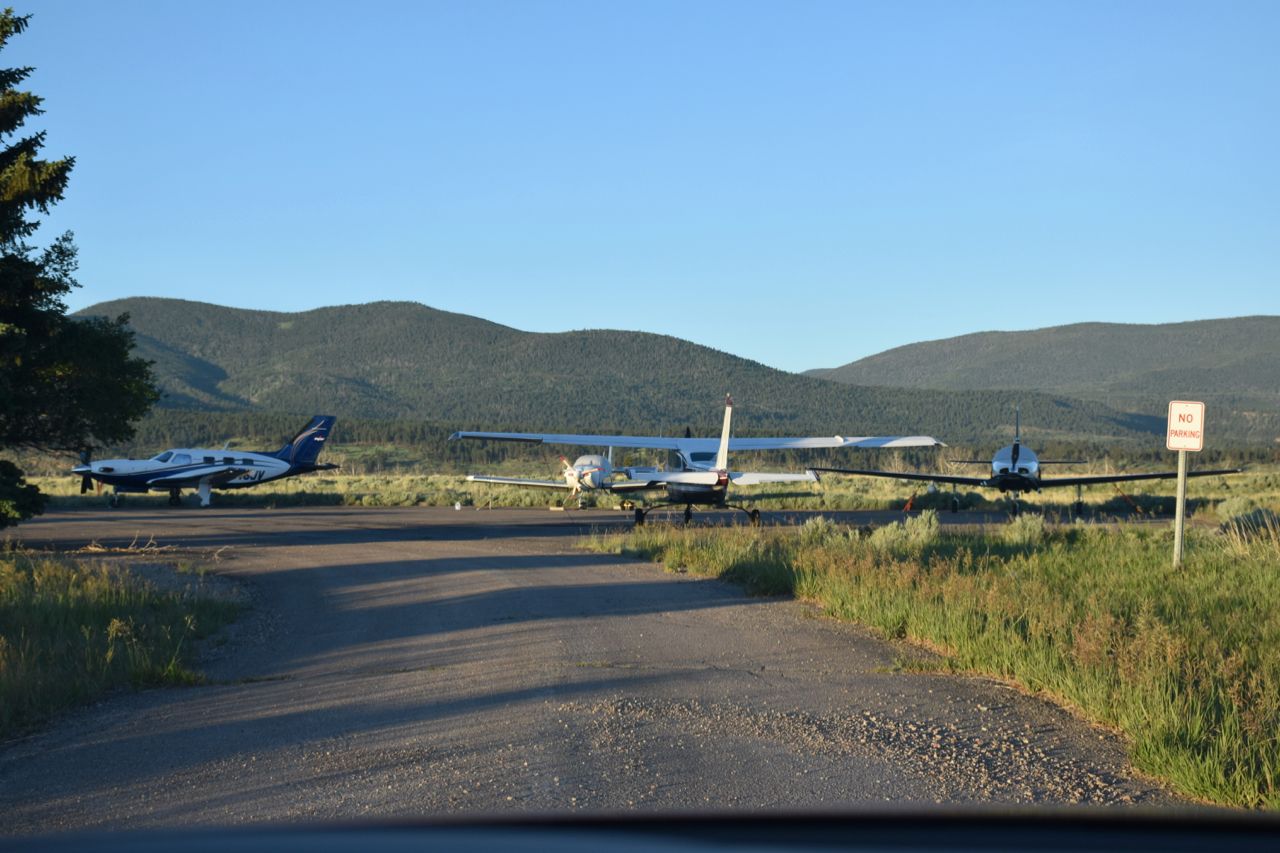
1123, 478
519, 481
899, 475
216, 475
616, 486
754, 478
657, 442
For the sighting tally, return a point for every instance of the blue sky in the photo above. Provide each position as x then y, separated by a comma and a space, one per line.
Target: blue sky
800, 183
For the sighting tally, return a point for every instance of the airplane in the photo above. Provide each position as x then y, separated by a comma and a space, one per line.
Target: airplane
703, 477
1016, 469
203, 470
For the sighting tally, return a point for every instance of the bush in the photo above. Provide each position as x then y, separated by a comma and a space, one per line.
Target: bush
18, 499
1025, 531
907, 538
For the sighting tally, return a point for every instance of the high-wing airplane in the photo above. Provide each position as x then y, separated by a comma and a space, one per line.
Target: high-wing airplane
703, 477
204, 470
1016, 468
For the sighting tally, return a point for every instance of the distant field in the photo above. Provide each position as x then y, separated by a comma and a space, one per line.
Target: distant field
1186, 663
1211, 498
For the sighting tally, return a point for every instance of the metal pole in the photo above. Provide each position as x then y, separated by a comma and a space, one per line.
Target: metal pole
1180, 517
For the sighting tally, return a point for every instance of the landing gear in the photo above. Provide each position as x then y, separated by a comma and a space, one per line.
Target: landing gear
955, 503
639, 517
114, 500
175, 497
754, 515
1078, 507
688, 514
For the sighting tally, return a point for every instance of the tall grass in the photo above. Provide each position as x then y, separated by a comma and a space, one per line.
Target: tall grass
1186, 663
70, 630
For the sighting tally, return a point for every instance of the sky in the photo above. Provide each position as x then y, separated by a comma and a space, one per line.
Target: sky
799, 183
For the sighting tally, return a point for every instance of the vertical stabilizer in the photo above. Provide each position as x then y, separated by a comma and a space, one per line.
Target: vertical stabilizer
305, 447
1017, 437
722, 455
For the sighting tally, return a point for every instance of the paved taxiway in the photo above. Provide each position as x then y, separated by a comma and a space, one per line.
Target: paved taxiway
405, 662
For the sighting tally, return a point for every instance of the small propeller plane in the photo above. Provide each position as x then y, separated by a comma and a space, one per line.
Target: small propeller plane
703, 477
205, 470
1016, 469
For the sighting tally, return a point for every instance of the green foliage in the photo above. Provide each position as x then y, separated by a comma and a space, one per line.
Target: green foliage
909, 537
70, 630
1025, 531
398, 361
64, 383
18, 499
1185, 662
1232, 364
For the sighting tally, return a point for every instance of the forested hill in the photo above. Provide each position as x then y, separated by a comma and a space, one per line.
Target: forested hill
398, 360
1233, 364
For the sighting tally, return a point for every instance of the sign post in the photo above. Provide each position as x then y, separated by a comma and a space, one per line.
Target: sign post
1185, 432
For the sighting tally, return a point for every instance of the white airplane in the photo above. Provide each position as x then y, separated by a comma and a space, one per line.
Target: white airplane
204, 470
1016, 469
703, 477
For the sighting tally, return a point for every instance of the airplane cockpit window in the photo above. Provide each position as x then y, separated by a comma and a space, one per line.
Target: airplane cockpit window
208, 460
227, 460
181, 459
163, 457
702, 458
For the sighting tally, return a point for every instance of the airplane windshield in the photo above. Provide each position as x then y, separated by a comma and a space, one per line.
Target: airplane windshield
702, 457
163, 457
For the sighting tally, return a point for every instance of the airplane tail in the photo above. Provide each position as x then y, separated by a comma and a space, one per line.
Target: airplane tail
1017, 435
722, 455
304, 448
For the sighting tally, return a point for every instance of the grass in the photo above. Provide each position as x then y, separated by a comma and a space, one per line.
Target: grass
1213, 498
73, 629
1185, 663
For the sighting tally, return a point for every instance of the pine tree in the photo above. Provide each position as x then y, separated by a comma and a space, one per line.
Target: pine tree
65, 384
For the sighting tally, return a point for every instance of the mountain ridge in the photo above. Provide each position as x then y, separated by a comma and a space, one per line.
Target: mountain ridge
1231, 363
407, 360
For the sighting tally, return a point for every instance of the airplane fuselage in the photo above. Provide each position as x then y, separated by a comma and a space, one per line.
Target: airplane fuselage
139, 475
1015, 468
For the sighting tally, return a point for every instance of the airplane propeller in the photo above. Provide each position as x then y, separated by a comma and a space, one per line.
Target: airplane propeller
86, 457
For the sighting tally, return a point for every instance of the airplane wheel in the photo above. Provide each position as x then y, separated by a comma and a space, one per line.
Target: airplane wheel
1079, 508
955, 504
639, 517
755, 517
688, 514
114, 501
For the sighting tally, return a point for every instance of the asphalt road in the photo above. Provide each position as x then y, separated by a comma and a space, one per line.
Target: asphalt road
411, 662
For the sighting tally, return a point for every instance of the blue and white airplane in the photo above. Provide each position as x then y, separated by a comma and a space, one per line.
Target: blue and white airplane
204, 470
700, 475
